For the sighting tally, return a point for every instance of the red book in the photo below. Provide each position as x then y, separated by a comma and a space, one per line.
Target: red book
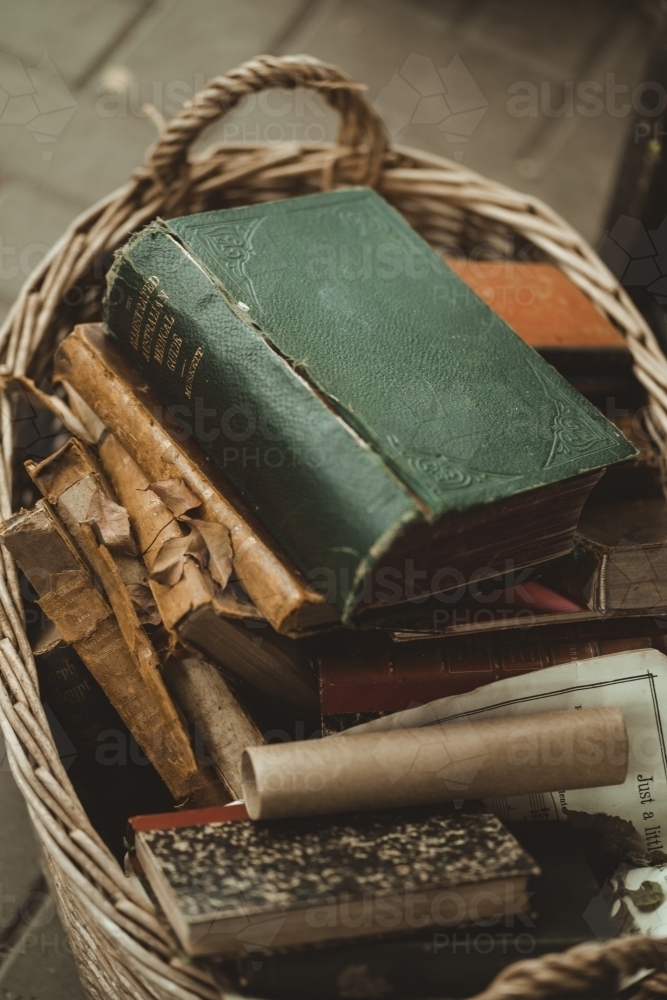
364, 675
186, 817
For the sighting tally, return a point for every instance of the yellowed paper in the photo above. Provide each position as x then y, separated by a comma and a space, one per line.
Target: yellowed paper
636, 681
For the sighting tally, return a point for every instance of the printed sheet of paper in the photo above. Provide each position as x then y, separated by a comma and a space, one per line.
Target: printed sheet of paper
635, 682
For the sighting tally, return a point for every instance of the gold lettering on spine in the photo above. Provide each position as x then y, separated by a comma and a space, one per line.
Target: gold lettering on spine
151, 323
196, 358
172, 356
144, 295
163, 334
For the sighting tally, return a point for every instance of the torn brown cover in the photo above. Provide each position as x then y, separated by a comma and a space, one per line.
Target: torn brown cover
190, 609
90, 363
219, 721
71, 480
68, 596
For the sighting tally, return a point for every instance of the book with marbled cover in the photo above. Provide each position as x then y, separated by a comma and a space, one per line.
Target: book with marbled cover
454, 963
233, 885
356, 392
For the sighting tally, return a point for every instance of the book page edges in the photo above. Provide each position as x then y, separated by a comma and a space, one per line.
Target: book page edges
68, 596
212, 934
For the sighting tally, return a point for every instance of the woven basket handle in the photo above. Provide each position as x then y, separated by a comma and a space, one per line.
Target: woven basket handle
361, 128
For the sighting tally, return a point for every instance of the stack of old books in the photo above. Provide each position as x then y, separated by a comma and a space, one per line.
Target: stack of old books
317, 480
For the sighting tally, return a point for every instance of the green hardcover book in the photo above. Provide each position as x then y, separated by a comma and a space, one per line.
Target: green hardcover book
394, 435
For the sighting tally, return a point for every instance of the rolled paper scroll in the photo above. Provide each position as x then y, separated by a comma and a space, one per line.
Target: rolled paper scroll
470, 759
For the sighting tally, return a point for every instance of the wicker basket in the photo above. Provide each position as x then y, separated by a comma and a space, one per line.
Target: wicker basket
121, 947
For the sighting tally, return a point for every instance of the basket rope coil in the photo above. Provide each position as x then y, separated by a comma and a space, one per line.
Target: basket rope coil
123, 950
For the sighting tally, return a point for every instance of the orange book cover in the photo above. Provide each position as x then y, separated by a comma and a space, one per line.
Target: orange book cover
540, 303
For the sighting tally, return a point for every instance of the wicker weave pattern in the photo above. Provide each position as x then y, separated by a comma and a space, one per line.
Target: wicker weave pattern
122, 949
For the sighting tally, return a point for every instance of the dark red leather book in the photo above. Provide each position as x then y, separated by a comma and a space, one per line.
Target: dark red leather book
364, 675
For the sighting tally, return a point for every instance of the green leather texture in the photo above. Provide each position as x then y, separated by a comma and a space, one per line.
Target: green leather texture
322, 494
341, 375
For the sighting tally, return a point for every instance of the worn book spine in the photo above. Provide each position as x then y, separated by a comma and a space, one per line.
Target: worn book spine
221, 725
113, 780
153, 524
72, 482
237, 378
270, 663
68, 596
89, 363
77, 700
353, 396
363, 677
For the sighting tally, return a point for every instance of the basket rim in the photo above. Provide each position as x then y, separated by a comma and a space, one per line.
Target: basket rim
122, 948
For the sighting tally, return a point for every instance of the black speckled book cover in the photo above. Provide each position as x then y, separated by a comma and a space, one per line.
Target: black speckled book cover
227, 871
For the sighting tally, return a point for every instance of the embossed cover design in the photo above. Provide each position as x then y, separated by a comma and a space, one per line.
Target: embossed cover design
350, 385
458, 405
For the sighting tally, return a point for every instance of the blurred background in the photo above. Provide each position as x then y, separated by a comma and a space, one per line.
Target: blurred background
563, 99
